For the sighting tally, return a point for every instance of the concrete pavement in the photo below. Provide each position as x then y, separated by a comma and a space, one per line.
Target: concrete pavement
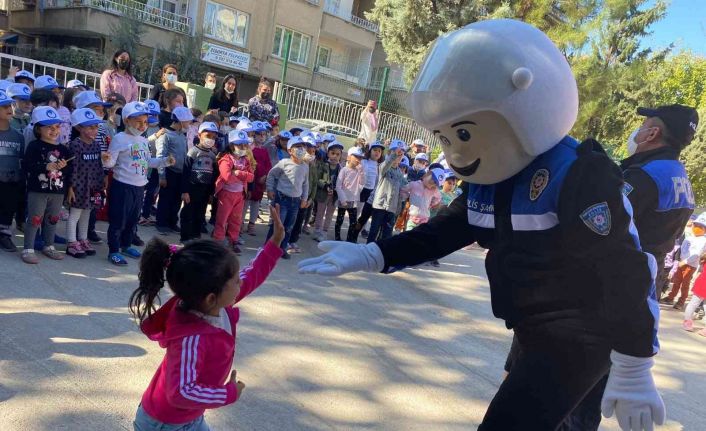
413, 350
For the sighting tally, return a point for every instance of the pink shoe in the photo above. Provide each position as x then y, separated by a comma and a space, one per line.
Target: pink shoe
74, 249
87, 247
688, 325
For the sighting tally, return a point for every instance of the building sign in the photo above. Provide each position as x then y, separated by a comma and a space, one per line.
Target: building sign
222, 56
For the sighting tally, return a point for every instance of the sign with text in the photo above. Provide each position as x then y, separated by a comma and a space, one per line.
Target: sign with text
222, 56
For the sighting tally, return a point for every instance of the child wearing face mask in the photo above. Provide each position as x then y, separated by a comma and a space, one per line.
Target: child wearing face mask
21, 106
152, 188
256, 189
326, 189
419, 167
349, 184
86, 184
234, 173
423, 195
49, 169
173, 143
288, 186
197, 182
305, 213
129, 156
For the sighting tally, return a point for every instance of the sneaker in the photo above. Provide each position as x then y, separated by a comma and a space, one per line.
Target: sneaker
688, 325
306, 229
52, 253
251, 229
94, 238
130, 252
74, 249
117, 259
87, 247
666, 301
59, 239
137, 241
6, 243
236, 249
149, 221
286, 256
699, 314
29, 256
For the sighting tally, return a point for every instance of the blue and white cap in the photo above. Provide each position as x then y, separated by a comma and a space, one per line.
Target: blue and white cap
152, 106
258, 126
438, 175
449, 174
318, 137
152, 120
234, 119
5, 84
182, 113
309, 141
87, 98
46, 82
356, 151
133, 109
329, 137
404, 161
25, 74
76, 83
238, 137
398, 144
701, 219
245, 125
421, 156
208, 127
19, 91
84, 117
296, 140
334, 144
377, 144
284, 134
45, 116
4, 100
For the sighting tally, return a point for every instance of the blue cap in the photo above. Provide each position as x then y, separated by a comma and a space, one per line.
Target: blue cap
46, 82
258, 126
329, 137
132, 109
208, 127
45, 116
296, 140
24, 74
4, 100
377, 144
309, 141
317, 136
449, 174
85, 99
245, 125
438, 175
152, 106
404, 161
18, 91
398, 144
5, 84
285, 135
152, 120
76, 83
182, 113
421, 156
238, 137
234, 119
84, 117
334, 144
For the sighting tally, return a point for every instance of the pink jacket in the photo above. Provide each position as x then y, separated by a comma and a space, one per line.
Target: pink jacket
349, 184
233, 171
192, 376
113, 82
420, 200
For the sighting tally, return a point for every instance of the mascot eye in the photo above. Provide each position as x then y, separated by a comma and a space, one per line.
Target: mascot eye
444, 140
463, 135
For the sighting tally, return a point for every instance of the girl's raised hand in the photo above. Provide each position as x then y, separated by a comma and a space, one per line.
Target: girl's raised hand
278, 232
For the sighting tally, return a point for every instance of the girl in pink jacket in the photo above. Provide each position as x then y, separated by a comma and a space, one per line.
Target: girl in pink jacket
235, 172
423, 195
197, 326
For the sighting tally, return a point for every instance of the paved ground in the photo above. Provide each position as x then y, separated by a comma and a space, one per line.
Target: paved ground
413, 350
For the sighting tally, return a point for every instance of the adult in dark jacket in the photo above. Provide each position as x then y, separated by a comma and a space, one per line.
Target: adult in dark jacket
225, 98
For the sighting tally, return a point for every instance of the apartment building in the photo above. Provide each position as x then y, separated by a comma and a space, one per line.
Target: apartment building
332, 48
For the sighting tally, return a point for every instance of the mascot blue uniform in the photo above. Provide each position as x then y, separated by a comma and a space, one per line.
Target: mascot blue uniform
501, 98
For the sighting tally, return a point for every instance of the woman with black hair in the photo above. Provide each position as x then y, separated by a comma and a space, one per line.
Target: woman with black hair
118, 77
170, 76
225, 97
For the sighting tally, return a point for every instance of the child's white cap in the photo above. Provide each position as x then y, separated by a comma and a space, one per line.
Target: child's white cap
309, 140
152, 106
24, 74
418, 143
356, 151
45, 116
245, 125
377, 144
329, 137
76, 83
19, 91
421, 156
296, 140
85, 99
46, 82
238, 137
182, 113
334, 144
208, 127
134, 109
84, 117
259, 126
234, 118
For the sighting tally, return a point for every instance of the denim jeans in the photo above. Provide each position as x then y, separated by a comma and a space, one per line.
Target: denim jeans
145, 422
381, 225
288, 210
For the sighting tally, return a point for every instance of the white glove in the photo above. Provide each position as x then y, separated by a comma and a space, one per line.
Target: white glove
342, 257
631, 394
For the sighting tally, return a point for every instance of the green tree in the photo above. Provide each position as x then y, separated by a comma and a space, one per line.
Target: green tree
185, 52
126, 33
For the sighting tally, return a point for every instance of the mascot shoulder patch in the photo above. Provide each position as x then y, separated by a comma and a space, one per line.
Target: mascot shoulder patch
597, 218
539, 182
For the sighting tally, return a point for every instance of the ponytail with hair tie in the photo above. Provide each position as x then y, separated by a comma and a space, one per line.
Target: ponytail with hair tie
155, 259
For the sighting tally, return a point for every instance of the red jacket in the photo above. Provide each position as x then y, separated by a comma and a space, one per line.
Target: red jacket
264, 164
192, 376
700, 284
232, 170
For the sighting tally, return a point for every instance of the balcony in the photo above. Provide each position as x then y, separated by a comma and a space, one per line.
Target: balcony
334, 9
145, 13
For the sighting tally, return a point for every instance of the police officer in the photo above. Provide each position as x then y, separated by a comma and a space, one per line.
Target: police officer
565, 266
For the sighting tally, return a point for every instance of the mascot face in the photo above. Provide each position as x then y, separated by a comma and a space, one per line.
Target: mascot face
478, 144
497, 94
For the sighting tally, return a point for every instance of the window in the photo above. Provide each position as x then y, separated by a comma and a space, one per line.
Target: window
323, 56
169, 6
299, 48
226, 24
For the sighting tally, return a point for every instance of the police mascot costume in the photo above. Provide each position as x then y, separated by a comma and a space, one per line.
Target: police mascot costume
564, 262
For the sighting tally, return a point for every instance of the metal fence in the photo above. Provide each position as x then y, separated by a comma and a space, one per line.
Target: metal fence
62, 74
304, 104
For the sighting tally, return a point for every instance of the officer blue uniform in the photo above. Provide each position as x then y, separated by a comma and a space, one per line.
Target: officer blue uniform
555, 232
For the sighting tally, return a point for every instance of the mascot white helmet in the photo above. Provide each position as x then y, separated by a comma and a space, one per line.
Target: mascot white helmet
497, 94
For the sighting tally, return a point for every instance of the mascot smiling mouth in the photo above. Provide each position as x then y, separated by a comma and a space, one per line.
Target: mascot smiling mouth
467, 170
